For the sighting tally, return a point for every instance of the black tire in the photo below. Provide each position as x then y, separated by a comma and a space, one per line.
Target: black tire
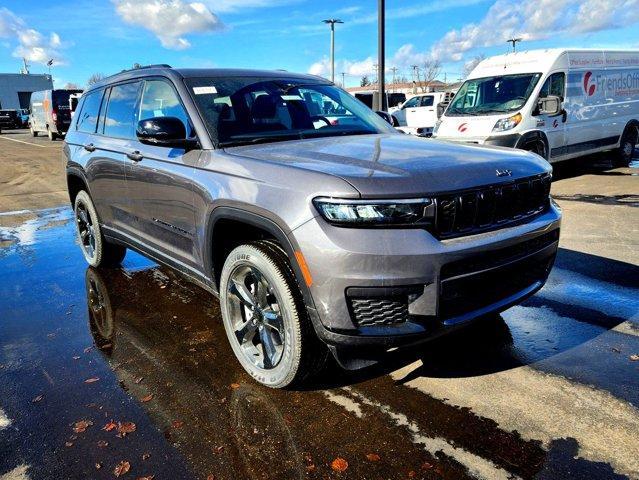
625, 153
34, 133
96, 250
263, 265
538, 147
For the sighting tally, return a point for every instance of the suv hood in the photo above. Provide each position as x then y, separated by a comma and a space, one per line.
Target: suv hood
387, 165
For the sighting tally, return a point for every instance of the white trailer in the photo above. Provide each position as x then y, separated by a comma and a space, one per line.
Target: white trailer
558, 103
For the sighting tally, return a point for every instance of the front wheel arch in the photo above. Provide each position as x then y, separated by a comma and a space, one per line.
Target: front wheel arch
529, 138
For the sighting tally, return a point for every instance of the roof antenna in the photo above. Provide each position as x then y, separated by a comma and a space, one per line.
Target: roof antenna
514, 42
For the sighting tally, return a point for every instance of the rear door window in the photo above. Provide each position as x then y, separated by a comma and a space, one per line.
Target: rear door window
121, 116
427, 101
88, 119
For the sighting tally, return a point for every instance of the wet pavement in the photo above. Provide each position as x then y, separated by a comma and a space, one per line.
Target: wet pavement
100, 367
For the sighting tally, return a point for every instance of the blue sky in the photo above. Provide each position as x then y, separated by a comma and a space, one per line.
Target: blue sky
105, 36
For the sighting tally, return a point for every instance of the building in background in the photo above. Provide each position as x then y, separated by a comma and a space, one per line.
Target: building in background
16, 89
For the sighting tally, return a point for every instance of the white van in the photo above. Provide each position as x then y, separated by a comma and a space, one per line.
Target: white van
558, 103
419, 114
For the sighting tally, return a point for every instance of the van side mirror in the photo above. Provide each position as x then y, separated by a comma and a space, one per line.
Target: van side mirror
164, 132
550, 105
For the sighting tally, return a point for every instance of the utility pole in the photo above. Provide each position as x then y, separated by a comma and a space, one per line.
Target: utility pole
514, 42
394, 70
343, 79
25, 68
332, 22
381, 52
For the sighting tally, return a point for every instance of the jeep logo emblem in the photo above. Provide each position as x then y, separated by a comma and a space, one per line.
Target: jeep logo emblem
504, 173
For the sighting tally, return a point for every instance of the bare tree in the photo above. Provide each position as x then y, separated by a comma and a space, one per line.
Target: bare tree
95, 78
71, 86
432, 69
470, 65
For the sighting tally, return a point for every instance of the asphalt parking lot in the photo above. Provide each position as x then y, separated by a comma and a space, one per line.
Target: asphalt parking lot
104, 369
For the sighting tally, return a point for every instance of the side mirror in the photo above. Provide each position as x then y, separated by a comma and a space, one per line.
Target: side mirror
163, 132
550, 105
388, 117
400, 104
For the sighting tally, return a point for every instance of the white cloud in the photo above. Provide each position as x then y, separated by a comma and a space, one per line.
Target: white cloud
535, 20
169, 20
32, 45
223, 6
359, 68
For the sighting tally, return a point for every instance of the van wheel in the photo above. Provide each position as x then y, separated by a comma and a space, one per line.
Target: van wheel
265, 319
625, 152
96, 250
538, 147
51, 135
33, 132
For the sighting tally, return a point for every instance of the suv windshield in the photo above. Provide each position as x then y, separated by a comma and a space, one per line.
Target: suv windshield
245, 110
483, 96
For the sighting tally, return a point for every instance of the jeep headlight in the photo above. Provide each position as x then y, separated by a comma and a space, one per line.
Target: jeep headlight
509, 123
371, 213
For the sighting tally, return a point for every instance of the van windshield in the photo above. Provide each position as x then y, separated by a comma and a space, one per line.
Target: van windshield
484, 96
248, 110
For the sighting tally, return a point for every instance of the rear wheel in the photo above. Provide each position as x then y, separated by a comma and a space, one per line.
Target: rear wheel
264, 317
625, 152
96, 250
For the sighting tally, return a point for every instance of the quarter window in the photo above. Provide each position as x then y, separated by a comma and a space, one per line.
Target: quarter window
121, 116
88, 119
160, 100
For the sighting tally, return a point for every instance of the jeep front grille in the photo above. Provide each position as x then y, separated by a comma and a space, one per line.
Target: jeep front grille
491, 207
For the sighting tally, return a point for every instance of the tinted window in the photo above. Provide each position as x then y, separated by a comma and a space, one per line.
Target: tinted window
427, 101
88, 119
61, 97
121, 117
160, 100
412, 102
554, 85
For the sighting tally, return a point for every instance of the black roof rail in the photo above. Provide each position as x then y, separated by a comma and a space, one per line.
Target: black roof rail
157, 65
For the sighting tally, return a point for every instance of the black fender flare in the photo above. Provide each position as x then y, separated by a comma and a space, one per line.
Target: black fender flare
267, 224
533, 135
81, 175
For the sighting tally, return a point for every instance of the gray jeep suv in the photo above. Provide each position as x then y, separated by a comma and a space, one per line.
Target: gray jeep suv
320, 227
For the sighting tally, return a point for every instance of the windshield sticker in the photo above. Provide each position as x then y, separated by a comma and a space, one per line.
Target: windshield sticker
204, 90
292, 97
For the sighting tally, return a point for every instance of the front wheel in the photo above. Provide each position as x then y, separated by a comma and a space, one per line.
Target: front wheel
96, 250
626, 150
264, 317
34, 133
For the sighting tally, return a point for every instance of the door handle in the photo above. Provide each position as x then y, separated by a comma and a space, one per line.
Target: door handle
135, 156
89, 147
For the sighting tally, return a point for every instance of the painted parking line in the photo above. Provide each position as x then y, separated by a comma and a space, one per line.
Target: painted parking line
22, 141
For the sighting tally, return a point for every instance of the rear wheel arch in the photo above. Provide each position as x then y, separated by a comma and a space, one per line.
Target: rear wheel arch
76, 182
229, 227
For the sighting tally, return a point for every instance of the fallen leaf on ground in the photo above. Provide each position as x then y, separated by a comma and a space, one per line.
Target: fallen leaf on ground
126, 427
68, 444
147, 398
109, 426
146, 456
88, 349
148, 477
427, 466
373, 457
411, 474
177, 424
138, 380
121, 468
103, 443
235, 385
37, 399
219, 449
339, 465
81, 425
92, 380
106, 345
634, 358
98, 466
210, 477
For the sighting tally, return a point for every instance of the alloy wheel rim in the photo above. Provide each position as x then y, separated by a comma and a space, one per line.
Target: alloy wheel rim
256, 318
628, 149
86, 230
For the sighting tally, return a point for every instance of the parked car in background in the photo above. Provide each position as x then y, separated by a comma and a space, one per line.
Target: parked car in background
51, 112
392, 98
318, 237
558, 103
419, 114
10, 119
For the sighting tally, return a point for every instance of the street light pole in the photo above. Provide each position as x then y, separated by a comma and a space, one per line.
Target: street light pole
381, 51
332, 22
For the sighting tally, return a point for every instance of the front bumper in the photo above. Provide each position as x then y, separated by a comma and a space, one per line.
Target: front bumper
510, 140
435, 276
